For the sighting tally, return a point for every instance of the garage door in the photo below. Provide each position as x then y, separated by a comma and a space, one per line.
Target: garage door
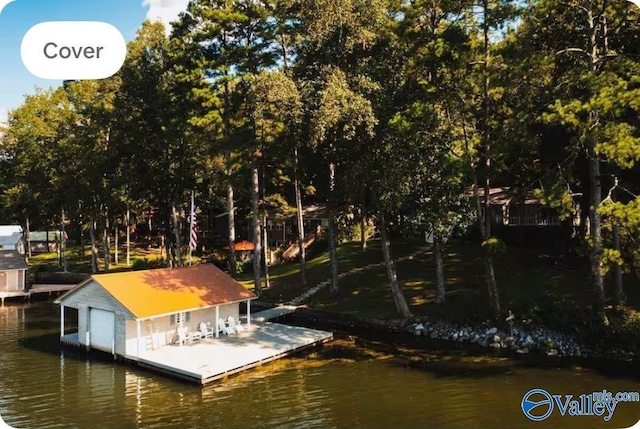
102, 328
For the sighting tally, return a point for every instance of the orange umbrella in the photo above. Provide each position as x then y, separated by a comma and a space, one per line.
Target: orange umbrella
243, 245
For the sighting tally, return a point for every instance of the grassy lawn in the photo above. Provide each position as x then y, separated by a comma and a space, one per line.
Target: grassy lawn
76, 263
285, 283
529, 285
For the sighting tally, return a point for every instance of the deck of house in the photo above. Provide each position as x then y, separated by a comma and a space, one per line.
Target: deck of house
210, 359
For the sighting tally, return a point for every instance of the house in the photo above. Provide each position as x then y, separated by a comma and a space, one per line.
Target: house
507, 208
13, 273
124, 313
44, 241
11, 238
283, 230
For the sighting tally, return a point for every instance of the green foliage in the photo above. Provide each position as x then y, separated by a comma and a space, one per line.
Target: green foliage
147, 264
494, 246
557, 197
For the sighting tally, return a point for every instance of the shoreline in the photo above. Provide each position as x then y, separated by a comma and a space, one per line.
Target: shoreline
536, 342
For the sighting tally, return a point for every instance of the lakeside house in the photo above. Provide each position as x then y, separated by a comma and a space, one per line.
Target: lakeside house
11, 238
13, 274
507, 208
174, 320
44, 241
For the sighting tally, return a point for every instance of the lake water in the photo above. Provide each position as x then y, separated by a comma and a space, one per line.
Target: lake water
332, 387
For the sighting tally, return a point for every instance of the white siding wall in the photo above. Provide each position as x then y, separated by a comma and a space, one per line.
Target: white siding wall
22, 279
12, 280
93, 295
159, 332
4, 285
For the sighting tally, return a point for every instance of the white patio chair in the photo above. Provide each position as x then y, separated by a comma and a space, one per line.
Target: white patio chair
236, 327
182, 335
222, 327
206, 331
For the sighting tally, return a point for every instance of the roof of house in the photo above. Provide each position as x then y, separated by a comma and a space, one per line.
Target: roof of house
315, 212
10, 229
11, 260
150, 293
10, 239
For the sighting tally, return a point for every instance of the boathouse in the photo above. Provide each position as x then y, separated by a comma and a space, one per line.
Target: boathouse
180, 321
130, 312
13, 273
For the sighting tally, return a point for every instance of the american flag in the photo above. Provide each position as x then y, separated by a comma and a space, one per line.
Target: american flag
193, 234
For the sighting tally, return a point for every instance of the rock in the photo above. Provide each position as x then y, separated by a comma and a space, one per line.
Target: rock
522, 351
528, 340
496, 338
495, 345
492, 331
552, 352
455, 336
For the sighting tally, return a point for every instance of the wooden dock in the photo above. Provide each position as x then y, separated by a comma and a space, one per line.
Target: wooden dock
210, 359
36, 289
273, 313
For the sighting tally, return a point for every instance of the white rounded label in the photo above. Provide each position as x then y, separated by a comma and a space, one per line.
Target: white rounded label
70, 50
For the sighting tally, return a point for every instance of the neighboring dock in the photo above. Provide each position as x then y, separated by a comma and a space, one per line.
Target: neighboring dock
36, 289
273, 313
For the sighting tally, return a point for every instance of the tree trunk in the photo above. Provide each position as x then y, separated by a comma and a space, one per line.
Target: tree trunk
490, 277
396, 290
333, 255
437, 253
176, 231
363, 232
115, 242
617, 269
595, 193
231, 217
300, 220
94, 247
128, 238
63, 243
105, 242
29, 240
166, 244
257, 250
266, 252
485, 120
149, 226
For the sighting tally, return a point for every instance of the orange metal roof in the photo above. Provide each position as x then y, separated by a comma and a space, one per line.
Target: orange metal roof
168, 290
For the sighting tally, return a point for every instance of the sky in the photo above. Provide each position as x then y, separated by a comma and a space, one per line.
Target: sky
19, 16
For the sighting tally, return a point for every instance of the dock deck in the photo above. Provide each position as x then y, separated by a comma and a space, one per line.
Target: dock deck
36, 289
210, 359
273, 313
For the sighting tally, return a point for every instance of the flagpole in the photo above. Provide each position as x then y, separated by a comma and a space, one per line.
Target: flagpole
191, 228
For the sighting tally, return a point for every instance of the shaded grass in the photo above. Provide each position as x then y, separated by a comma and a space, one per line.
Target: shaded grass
285, 280
529, 285
80, 262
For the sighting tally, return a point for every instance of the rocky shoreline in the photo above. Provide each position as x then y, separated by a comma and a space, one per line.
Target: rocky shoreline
518, 339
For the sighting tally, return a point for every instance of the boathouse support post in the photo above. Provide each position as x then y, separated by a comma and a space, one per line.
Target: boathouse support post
217, 321
61, 321
138, 339
248, 313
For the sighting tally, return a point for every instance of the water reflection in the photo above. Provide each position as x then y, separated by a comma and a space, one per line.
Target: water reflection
43, 388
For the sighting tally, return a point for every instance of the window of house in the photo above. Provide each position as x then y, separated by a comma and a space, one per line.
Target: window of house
175, 319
